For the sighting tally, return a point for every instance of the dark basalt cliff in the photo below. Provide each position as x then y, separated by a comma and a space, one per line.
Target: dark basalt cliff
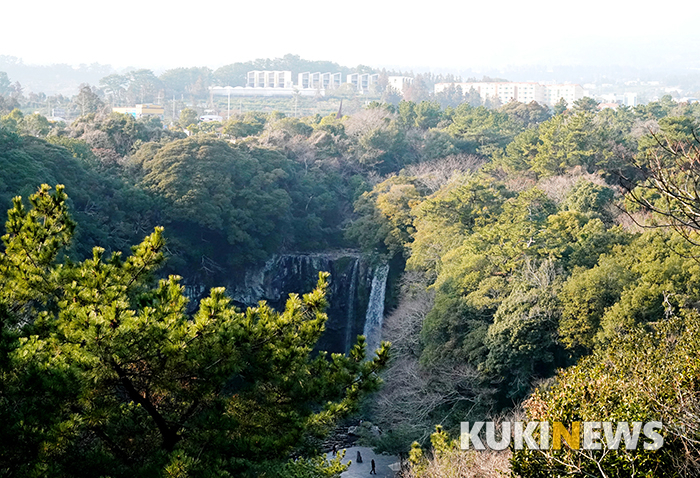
356, 292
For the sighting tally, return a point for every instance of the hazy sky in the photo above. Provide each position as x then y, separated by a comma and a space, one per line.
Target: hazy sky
432, 34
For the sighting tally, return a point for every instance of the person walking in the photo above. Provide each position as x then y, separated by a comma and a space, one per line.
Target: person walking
373, 471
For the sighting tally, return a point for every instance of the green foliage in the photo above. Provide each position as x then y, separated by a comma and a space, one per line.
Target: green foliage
188, 117
385, 225
656, 109
87, 101
290, 127
560, 107
667, 278
381, 143
577, 240
406, 113
586, 104
445, 218
452, 96
105, 373
585, 297
522, 339
495, 308
109, 211
248, 126
193, 82
437, 144
428, 114
645, 375
233, 196
521, 152
12, 120
143, 87
527, 115
118, 133
589, 198
455, 330
34, 125
568, 141
675, 132
484, 129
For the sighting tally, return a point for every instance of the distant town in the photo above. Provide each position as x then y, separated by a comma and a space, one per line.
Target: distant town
297, 87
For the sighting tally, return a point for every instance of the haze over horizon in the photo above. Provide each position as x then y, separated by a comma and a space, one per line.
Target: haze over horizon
445, 37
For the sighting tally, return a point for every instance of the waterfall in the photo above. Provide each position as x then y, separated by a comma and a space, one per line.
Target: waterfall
375, 309
356, 293
351, 306
349, 290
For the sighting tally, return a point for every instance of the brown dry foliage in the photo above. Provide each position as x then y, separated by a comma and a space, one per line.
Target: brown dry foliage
465, 464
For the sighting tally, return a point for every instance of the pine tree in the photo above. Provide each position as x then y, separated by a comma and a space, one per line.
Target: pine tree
105, 373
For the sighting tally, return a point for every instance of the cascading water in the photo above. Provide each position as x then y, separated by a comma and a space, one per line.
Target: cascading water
355, 293
351, 306
375, 309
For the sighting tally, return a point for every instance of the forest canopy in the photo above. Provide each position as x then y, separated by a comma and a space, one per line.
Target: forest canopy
531, 249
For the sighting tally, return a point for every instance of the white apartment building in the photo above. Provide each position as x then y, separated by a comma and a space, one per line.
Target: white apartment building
269, 79
318, 80
398, 82
504, 91
524, 92
362, 81
569, 92
279, 83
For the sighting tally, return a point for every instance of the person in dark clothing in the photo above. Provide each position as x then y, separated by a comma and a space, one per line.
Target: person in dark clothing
373, 471
359, 457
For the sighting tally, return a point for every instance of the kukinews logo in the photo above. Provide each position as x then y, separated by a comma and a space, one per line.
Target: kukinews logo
547, 436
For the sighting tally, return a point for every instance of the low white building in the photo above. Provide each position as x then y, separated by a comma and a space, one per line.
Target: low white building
139, 111
238, 91
210, 118
626, 99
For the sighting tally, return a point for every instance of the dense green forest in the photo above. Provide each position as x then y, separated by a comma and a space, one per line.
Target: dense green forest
550, 268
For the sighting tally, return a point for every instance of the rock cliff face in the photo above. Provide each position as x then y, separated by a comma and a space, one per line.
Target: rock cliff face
356, 292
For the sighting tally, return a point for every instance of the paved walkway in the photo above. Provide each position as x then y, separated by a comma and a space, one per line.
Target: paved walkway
361, 470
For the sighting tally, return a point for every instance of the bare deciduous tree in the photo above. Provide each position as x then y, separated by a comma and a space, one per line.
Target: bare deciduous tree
367, 120
435, 174
417, 396
671, 173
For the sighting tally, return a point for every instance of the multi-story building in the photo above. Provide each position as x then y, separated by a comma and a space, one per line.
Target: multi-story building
568, 92
269, 79
362, 81
279, 83
331, 80
398, 82
319, 81
524, 92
